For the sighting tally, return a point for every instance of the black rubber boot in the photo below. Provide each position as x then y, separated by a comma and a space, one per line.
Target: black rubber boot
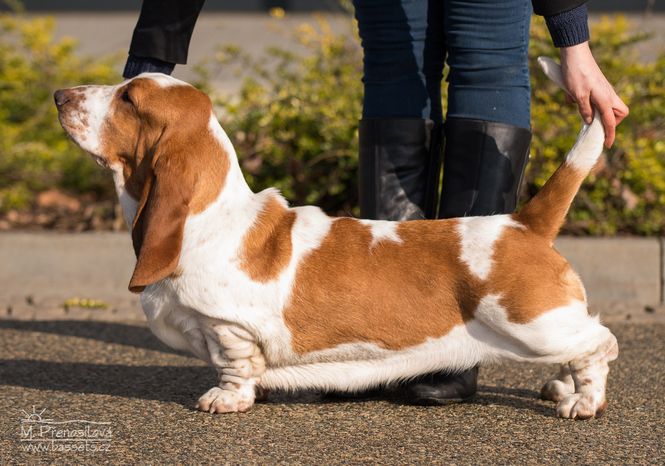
400, 162
483, 168
484, 164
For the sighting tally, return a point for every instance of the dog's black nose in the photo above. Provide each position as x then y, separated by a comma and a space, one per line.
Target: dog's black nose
61, 97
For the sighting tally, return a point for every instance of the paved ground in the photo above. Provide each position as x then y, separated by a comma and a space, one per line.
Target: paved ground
119, 373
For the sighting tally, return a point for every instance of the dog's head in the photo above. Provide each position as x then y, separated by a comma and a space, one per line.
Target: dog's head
158, 135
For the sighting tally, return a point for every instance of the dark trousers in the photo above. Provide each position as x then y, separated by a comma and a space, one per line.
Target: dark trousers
484, 42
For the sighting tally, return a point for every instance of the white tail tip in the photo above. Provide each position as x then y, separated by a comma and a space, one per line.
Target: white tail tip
589, 145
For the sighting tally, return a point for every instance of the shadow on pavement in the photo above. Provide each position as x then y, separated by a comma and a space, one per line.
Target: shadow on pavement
184, 384
516, 398
108, 332
519, 398
180, 384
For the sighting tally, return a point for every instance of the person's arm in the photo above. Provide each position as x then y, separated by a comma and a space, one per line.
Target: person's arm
567, 21
161, 36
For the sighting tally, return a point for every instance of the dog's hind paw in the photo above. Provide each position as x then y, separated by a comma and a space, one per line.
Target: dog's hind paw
218, 400
580, 406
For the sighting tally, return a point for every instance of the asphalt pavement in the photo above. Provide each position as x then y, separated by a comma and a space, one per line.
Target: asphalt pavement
140, 397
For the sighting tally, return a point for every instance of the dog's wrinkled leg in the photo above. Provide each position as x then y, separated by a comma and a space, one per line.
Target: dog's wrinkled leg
560, 386
590, 376
239, 363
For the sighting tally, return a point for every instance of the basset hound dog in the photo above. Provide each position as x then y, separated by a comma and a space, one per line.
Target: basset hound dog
275, 297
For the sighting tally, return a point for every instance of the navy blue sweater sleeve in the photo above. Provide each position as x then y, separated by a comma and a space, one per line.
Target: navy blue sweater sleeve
569, 27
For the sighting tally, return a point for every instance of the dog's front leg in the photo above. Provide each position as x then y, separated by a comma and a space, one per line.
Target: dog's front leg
239, 363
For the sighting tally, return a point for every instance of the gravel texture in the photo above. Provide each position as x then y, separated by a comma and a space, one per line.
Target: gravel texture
119, 373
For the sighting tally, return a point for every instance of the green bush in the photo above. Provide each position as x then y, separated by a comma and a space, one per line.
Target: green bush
295, 119
34, 151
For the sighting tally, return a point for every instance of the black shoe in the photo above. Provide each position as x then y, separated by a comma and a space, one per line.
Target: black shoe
441, 387
483, 168
400, 162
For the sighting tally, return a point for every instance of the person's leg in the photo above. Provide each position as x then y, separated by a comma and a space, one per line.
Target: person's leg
487, 131
404, 49
488, 118
403, 55
400, 132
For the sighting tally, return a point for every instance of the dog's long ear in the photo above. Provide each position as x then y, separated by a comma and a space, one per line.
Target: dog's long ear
185, 175
159, 223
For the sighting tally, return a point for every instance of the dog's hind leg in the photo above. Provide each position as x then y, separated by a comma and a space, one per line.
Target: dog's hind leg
563, 335
559, 386
589, 373
239, 363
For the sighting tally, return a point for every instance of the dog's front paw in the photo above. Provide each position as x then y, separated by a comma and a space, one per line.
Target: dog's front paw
218, 400
580, 406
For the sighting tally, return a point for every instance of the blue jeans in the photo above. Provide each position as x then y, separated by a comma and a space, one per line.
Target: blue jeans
484, 42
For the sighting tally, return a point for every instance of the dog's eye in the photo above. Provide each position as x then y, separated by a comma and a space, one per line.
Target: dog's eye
125, 96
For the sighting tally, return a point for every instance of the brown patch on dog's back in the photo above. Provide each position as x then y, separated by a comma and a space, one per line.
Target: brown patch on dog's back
395, 295
530, 276
267, 246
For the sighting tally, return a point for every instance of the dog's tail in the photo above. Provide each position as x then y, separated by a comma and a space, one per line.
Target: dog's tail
546, 211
